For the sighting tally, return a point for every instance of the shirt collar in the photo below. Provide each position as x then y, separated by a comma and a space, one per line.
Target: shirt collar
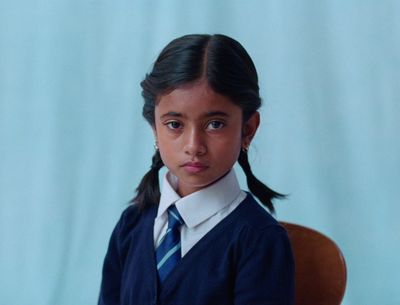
211, 199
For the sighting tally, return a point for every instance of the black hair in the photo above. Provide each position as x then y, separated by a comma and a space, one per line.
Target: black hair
228, 70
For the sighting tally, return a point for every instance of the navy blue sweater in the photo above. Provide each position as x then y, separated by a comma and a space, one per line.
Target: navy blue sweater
245, 260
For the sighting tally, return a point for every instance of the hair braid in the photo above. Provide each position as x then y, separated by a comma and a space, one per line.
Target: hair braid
256, 187
148, 190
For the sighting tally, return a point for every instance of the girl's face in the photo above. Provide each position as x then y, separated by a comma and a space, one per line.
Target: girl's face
199, 134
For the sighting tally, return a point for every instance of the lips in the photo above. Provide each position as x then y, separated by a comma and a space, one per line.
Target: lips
194, 167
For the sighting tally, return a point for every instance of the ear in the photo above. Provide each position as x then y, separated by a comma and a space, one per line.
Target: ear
249, 129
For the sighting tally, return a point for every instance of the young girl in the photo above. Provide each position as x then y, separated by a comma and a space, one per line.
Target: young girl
202, 240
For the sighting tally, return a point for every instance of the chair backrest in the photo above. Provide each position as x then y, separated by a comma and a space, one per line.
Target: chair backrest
320, 267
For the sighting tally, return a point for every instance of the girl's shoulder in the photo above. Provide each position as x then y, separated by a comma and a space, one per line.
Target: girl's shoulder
134, 222
255, 228
255, 216
132, 215
132, 219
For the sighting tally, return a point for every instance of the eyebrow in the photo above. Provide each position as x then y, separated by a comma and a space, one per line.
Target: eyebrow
208, 114
216, 113
171, 113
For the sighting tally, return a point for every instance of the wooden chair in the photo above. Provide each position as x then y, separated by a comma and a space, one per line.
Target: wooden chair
320, 267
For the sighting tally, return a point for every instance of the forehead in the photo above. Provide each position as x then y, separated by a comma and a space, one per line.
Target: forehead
196, 98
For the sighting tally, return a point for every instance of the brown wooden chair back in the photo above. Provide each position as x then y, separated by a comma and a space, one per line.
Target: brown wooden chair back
320, 267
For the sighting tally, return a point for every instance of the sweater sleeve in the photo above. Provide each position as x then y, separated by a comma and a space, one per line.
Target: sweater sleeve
265, 274
114, 260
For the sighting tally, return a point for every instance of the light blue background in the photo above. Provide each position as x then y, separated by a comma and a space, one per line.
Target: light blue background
73, 144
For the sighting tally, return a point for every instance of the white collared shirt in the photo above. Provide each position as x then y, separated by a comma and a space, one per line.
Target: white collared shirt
201, 210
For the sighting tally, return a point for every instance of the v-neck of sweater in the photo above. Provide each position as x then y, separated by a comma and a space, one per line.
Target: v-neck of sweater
202, 245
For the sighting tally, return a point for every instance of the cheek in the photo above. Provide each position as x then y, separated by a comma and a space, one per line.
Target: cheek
166, 143
230, 149
235, 139
167, 148
167, 157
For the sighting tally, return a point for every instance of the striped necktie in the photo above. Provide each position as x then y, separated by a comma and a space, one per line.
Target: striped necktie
168, 253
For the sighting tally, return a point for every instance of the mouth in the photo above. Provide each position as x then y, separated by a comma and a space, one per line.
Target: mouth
194, 167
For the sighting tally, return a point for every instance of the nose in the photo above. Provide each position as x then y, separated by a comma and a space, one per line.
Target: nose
195, 143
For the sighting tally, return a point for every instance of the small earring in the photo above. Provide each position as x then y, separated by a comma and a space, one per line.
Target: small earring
156, 145
245, 149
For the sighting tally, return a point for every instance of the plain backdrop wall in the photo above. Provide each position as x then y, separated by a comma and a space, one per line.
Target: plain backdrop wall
73, 144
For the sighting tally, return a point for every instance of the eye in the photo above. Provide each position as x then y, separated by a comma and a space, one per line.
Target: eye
214, 125
173, 125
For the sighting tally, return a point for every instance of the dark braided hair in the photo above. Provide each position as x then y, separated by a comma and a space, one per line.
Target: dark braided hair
256, 187
148, 190
228, 70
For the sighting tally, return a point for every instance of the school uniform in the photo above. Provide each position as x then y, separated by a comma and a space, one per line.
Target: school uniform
233, 252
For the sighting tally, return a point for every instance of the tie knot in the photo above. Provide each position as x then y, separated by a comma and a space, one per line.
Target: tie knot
175, 220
